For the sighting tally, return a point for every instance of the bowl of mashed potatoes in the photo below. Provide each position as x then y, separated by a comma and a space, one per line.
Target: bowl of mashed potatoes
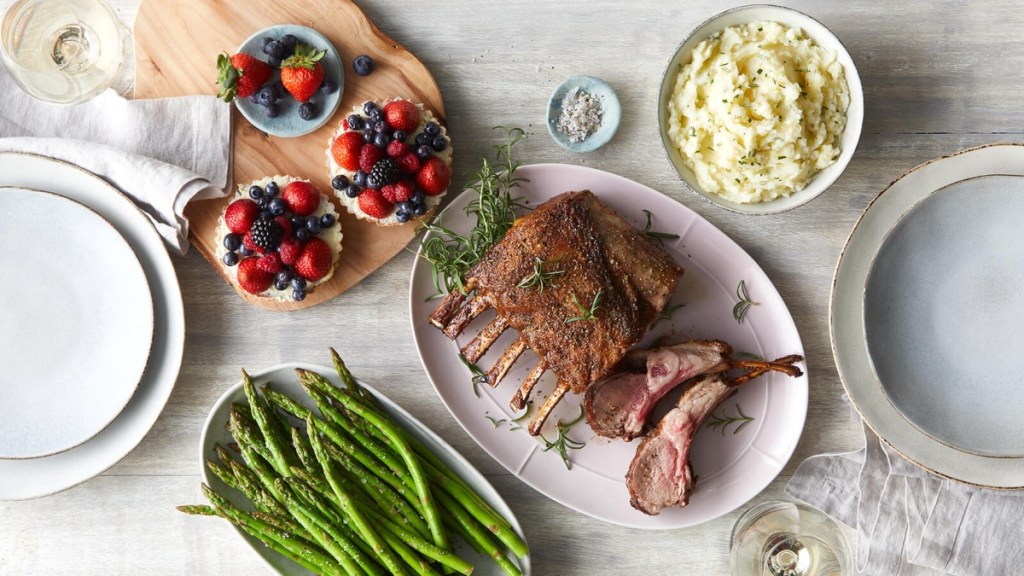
760, 109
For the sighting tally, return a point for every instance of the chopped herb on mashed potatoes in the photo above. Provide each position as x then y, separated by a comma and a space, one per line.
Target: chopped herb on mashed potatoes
758, 111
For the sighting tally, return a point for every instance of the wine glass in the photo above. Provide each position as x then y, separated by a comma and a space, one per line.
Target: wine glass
779, 538
65, 51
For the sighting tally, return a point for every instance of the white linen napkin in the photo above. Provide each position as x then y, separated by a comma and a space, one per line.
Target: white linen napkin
161, 153
909, 521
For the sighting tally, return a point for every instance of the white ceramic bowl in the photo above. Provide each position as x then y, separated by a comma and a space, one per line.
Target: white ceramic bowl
823, 37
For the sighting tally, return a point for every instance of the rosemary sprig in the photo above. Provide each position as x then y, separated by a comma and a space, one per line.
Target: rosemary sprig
739, 311
479, 376
562, 444
586, 313
749, 356
722, 422
540, 278
514, 422
451, 254
667, 312
659, 236
494, 422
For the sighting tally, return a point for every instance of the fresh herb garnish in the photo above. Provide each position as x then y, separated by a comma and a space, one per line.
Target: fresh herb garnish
540, 278
451, 254
667, 312
586, 313
739, 311
749, 356
479, 376
494, 422
722, 422
659, 236
562, 444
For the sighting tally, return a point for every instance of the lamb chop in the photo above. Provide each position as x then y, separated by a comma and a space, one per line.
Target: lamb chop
618, 405
660, 474
612, 282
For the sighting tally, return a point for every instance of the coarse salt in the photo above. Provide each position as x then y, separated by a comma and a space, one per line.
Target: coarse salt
581, 115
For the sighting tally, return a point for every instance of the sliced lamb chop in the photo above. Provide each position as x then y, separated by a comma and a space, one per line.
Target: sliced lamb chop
660, 474
618, 405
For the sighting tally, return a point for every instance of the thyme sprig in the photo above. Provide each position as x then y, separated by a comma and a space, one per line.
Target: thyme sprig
451, 254
586, 313
540, 278
659, 236
667, 312
739, 311
478, 375
562, 444
722, 422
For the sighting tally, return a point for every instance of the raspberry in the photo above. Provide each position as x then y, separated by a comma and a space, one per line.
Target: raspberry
369, 156
271, 263
397, 148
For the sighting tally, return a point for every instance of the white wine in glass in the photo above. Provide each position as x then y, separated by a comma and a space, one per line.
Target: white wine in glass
63, 51
787, 539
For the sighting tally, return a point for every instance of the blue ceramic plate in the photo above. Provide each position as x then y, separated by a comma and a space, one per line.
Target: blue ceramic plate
611, 113
288, 124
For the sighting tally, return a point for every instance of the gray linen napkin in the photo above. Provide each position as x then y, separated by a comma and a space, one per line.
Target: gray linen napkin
161, 153
910, 522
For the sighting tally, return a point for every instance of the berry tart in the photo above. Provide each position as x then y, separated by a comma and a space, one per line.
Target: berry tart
390, 161
279, 237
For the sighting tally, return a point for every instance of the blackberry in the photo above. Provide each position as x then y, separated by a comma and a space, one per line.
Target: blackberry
266, 233
384, 172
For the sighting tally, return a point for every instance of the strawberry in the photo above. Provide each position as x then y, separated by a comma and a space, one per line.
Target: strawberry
240, 76
315, 261
240, 215
402, 115
286, 226
248, 242
251, 278
369, 156
271, 263
290, 250
397, 148
373, 203
301, 73
302, 197
433, 176
408, 163
346, 148
400, 191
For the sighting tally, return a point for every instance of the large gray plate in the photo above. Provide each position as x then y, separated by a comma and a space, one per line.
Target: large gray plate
925, 313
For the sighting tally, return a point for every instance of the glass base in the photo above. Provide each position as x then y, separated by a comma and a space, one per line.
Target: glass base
780, 538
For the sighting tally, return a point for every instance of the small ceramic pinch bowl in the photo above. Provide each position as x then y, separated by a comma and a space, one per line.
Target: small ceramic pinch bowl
821, 36
611, 113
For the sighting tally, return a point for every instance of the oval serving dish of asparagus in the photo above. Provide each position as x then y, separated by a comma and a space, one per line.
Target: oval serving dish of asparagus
323, 473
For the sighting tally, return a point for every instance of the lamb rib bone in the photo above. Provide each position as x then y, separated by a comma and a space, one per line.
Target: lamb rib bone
660, 474
518, 401
478, 346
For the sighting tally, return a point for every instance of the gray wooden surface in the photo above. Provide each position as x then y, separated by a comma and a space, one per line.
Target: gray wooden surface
938, 77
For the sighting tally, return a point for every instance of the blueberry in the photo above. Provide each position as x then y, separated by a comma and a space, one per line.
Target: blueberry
272, 110
302, 234
376, 114
402, 217
329, 86
368, 107
418, 196
380, 126
399, 135
230, 259
339, 182
266, 95
299, 283
277, 206
280, 285
289, 41
423, 138
285, 276
363, 65
355, 122
274, 62
264, 200
327, 220
307, 110
423, 151
265, 214
255, 192
439, 143
279, 90
244, 251
353, 191
313, 224
369, 135
264, 41
432, 129
298, 295
275, 49
380, 140
232, 242
272, 189
297, 222
404, 206
359, 178
419, 209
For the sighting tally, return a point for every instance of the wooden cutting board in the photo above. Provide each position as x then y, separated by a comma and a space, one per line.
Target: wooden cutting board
176, 47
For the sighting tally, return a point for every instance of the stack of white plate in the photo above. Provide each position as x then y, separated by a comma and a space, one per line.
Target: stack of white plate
92, 326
